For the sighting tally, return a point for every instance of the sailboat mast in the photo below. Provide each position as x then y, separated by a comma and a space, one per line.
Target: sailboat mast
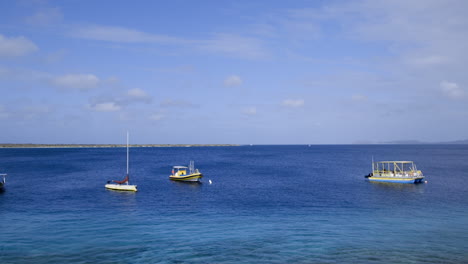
127, 154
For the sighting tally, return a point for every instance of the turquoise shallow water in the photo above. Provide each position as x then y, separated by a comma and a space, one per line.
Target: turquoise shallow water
267, 204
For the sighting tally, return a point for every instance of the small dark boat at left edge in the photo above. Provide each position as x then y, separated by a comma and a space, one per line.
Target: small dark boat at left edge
2, 181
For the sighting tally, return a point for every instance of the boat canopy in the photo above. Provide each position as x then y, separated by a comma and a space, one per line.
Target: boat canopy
180, 167
393, 162
395, 166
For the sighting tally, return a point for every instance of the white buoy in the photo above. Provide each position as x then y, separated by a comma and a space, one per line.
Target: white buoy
210, 181
425, 182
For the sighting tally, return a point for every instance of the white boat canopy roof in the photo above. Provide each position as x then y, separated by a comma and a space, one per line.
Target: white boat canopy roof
393, 162
180, 167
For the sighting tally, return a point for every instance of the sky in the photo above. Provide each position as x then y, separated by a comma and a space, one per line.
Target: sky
233, 72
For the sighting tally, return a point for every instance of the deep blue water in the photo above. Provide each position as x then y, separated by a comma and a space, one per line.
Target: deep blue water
266, 204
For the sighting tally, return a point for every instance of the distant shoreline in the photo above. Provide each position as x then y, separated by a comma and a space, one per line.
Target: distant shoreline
111, 145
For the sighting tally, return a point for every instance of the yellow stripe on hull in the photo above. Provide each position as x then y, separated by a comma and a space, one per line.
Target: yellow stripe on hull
389, 179
191, 177
396, 179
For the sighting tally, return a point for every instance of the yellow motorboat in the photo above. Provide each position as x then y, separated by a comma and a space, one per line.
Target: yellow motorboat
179, 173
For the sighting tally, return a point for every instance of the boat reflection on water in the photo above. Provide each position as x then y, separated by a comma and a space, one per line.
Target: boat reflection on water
124, 201
185, 184
389, 186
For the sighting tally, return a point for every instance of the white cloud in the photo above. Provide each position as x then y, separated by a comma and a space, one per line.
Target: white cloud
178, 69
4, 72
177, 103
121, 35
27, 111
433, 30
227, 44
34, 111
232, 81
420, 33
76, 81
429, 60
105, 107
264, 29
137, 94
112, 103
293, 103
418, 21
359, 98
66, 82
45, 16
301, 24
234, 45
15, 46
3, 112
250, 111
125, 116
157, 116
54, 57
452, 90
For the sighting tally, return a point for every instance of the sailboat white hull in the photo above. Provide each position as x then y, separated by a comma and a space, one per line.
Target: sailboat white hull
121, 187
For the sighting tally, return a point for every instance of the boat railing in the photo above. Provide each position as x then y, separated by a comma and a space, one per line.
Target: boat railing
400, 174
192, 167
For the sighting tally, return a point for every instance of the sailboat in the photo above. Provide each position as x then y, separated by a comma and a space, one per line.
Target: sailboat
124, 184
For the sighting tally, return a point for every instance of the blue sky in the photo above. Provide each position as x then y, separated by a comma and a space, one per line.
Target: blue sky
240, 72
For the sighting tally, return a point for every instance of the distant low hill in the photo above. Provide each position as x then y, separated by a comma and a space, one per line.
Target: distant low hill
416, 142
456, 142
404, 142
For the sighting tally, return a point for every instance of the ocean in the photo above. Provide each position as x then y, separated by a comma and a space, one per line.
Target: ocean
265, 204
